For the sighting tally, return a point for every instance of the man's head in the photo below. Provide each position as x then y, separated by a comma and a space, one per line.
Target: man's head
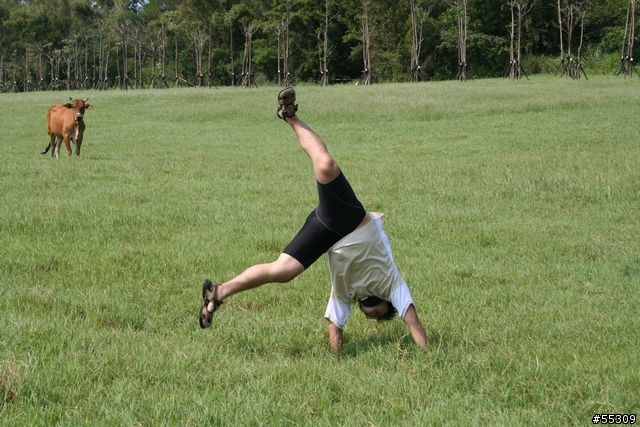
376, 308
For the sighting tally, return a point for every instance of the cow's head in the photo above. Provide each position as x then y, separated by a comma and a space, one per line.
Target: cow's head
79, 105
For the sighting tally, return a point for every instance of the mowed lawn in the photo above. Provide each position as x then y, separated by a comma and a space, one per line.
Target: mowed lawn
512, 209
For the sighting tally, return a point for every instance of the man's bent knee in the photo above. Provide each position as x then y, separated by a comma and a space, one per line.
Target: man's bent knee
286, 268
326, 170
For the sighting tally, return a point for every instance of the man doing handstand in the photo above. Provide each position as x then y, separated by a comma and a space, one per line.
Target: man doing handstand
361, 265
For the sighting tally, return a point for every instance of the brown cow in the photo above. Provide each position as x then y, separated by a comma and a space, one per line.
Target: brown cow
65, 122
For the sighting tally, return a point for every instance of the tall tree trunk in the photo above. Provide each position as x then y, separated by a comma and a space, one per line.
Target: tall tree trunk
2, 74
579, 70
85, 71
137, 56
27, 78
519, 8
69, 60
279, 64
247, 59
124, 32
161, 38
288, 78
107, 57
632, 25
416, 43
210, 55
232, 71
463, 66
54, 59
41, 70
561, 33
178, 78
512, 49
569, 15
199, 39
627, 65
521, 13
324, 56
367, 73
569, 23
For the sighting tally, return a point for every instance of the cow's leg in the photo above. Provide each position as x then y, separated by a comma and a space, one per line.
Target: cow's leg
78, 137
57, 142
67, 145
78, 144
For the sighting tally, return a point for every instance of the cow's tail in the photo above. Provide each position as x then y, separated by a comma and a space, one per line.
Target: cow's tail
46, 150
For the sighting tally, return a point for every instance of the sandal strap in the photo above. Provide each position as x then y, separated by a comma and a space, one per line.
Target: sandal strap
209, 286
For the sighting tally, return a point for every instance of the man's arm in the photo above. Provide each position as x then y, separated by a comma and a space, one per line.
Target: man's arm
415, 326
335, 338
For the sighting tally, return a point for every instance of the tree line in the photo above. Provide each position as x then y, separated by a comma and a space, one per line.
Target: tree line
102, 44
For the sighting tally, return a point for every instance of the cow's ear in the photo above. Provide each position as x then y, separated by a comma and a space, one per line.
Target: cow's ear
88, 105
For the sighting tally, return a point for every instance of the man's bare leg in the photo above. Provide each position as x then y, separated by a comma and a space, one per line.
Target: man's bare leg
325, 168
282, 270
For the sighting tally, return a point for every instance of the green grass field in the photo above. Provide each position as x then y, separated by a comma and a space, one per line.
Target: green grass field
512, 209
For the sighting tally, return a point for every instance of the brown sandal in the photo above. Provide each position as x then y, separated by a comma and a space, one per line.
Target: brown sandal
209, 295
287, 106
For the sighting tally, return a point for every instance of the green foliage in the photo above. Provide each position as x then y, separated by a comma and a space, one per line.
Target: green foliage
488, 53
37, 34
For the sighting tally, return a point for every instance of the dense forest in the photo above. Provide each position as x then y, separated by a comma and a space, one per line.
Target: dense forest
100, 44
